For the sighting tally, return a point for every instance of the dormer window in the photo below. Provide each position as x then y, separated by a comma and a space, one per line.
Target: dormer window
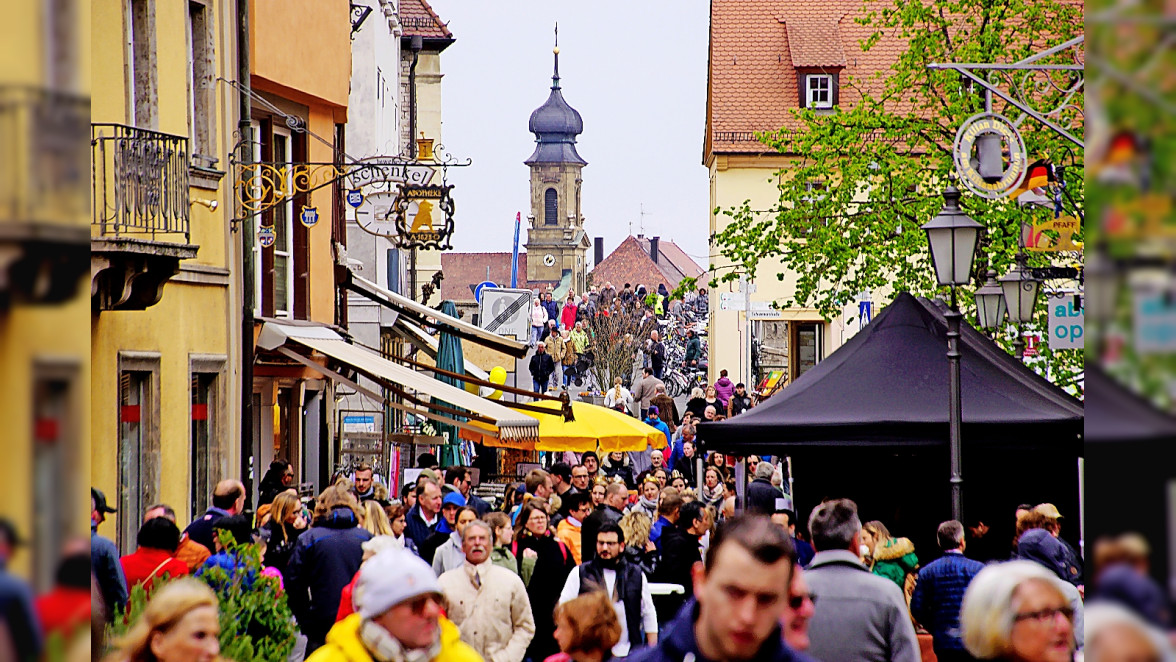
819, 89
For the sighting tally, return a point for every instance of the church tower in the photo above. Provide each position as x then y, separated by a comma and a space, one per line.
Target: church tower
557, 246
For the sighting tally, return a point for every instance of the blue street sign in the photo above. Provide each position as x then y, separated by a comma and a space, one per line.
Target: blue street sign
478, 289
309, 216
355, 198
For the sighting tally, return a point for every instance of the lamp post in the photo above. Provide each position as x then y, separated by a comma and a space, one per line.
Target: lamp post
990, 303
952, 236
1020, 293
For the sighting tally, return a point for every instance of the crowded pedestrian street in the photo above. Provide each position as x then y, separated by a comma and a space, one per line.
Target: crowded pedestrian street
723, 331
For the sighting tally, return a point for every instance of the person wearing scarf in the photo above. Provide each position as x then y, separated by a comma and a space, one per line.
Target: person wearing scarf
647, 503
446, 526
713, 492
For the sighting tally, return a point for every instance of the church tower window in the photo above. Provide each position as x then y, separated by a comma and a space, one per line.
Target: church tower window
551, 207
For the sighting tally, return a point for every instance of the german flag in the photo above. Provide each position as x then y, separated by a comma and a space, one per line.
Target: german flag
1039, 175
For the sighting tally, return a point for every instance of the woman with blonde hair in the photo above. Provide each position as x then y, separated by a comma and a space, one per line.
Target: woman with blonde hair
618, 395
586, 629
1017, 611
179, 624
893, 558
375, 520
639, 549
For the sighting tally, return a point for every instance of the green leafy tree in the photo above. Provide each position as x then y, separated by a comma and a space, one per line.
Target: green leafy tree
864, 178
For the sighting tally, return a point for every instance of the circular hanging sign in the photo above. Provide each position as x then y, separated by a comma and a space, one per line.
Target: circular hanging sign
375, 214
990, 180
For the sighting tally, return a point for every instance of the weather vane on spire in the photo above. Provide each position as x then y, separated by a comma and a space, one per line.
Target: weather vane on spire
555, 78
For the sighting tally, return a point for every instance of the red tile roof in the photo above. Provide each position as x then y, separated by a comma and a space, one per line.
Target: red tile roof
815, 41
463, 270
752, 78
418, 18
630, 263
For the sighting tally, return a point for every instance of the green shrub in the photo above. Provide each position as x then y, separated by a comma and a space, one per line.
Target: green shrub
256, 623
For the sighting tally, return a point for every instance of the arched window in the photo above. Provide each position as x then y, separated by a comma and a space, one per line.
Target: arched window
551, 207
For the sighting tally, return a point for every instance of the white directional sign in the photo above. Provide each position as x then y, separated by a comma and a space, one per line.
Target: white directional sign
506, 311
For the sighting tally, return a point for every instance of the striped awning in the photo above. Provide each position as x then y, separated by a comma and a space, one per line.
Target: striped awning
461, 409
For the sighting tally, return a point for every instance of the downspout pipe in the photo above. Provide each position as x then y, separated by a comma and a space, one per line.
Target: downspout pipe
244, 129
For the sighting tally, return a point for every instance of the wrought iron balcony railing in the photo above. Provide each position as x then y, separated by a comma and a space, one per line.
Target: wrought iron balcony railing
42, 156
140, 182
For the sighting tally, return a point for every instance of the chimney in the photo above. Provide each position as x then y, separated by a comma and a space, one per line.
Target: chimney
598, 252
653, 248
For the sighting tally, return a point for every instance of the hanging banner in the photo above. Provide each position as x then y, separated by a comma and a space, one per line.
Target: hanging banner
1154, 322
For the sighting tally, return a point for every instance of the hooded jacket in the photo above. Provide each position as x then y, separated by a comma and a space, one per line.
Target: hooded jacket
723, 390
895, 559
324, 560
344, 645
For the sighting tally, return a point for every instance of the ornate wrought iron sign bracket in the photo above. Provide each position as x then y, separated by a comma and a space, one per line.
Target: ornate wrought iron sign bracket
1046, 92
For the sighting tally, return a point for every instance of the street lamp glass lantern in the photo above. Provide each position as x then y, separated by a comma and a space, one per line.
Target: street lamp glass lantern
990, 303
952, 237
1020, 293
1100, 279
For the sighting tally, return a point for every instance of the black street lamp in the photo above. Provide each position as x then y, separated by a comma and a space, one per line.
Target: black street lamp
1020, 292
952, 237
990, 303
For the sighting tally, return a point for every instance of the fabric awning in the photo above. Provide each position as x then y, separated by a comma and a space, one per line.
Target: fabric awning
506, 423
428, 344
421, 314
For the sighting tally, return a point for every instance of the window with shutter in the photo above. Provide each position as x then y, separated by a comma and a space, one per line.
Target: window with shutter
551, 207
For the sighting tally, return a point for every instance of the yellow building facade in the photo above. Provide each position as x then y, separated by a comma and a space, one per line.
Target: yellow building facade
44, 213
164, 394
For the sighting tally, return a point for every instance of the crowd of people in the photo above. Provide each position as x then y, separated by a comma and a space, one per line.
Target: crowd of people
589, 561
563, 335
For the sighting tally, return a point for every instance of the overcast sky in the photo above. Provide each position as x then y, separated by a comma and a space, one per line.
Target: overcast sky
636, 71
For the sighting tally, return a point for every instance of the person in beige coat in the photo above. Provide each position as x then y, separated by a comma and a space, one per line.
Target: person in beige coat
488, 603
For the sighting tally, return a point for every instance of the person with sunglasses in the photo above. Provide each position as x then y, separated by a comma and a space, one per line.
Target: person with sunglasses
1018, 610
398, 615
802, 604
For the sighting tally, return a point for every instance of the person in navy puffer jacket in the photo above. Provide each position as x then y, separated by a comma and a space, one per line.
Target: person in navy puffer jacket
324, 560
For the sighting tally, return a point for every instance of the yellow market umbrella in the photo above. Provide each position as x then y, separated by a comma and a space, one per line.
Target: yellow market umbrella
593, 425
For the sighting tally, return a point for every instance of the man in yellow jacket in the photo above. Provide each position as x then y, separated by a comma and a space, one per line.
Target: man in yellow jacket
398, 617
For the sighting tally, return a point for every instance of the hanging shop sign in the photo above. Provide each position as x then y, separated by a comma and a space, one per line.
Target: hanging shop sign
374, 214
309, 216
1054, 235
1067, 322
982, 140
266, 236
424, 217
355, 198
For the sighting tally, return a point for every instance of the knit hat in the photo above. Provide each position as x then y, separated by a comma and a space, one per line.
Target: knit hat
389, 578
453, 499
653, 410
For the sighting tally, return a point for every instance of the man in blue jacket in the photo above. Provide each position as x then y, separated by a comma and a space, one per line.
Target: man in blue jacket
422, 519
740, 595
104, 562
940, 592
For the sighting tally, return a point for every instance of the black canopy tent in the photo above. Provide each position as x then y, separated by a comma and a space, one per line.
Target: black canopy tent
1130, 470
870, 422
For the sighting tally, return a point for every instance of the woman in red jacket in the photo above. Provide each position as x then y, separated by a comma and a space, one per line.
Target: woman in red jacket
155, 558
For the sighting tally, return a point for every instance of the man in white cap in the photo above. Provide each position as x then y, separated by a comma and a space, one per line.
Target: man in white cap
398, 617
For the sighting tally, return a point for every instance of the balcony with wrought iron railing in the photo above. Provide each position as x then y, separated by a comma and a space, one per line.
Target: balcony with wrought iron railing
140, 228
140, 183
